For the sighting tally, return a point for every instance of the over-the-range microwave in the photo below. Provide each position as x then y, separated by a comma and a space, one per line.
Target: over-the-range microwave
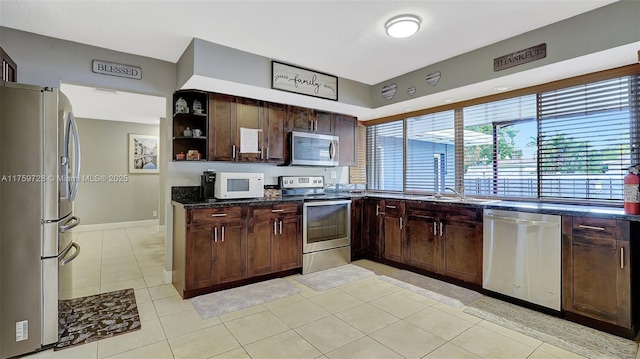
232, 185
312, 149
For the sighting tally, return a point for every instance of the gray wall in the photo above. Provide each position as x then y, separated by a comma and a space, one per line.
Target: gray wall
105, 152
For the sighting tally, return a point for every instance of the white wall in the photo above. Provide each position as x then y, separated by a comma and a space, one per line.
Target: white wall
105, 146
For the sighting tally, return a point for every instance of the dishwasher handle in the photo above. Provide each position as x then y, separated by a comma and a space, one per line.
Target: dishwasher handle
521, 221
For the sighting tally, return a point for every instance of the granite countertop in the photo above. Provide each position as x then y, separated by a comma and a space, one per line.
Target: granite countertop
189, 198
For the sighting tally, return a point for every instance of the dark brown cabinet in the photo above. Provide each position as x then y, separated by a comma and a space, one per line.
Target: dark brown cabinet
299, 119
445, 239
322, 122
191, 109
249, 115
9, 68
222, 127
371, 223
275, 239
275, 121
357, 245
346, 130
210, 247
392, 235
596, 270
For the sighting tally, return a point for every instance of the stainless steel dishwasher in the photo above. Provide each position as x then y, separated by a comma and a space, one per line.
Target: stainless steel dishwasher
521, 256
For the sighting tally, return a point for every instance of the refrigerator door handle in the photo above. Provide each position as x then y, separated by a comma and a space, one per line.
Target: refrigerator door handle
66, 261
75, 221
74, 181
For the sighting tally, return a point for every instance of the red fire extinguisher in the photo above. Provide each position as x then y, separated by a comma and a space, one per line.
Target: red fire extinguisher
632, 190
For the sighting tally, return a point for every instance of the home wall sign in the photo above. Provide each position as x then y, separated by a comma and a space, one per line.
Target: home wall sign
520, 57
119, 70
303, 81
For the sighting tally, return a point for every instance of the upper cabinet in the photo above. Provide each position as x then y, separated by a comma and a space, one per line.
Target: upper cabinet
190, 125
346, 130
9, 68
221, 127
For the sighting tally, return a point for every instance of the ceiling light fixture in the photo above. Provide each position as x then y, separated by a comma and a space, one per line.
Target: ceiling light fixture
502, 88
402, 26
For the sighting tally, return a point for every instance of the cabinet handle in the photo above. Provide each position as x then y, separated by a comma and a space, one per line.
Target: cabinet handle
377, 209
223, 233
219, 215
280, 227
441, 226
435, 231
591, 227
277, 210
274, 228
622, 257
262, 153
311, 125
267, 152
215, 234
392, 207
401, 224
233, 150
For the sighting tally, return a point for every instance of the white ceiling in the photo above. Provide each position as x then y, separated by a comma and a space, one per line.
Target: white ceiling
344, 38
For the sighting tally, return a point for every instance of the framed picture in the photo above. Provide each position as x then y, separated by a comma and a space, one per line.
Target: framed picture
303, 81
143, 153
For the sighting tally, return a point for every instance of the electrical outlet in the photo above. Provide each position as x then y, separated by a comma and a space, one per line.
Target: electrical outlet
155, 213
332, 174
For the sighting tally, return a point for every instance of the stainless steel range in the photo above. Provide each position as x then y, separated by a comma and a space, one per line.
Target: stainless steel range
326, 223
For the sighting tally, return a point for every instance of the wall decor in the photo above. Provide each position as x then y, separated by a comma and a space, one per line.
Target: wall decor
303, 81
114, 69
143, 153
389, 91
520, 57
432, 79
411, 91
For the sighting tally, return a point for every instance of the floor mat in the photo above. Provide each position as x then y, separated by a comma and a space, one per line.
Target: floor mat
230, 300
588, 342
334, 277
87, 319
444, 292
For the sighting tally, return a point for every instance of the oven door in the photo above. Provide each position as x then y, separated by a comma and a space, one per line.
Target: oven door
326, 225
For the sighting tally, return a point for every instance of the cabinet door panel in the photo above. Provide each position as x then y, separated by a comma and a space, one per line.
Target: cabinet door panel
222, 127
392, 238
422, 243
288, 243
371, 228
231, 251
323, 122
346, 130
461, 251
275, 124
259, 247
200, 265
299, 118
248, 115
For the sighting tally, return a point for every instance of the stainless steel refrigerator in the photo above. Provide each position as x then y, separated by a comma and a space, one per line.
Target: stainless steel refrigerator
39, 176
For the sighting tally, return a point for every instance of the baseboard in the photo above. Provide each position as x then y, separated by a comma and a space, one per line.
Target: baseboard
115, 225
168, 276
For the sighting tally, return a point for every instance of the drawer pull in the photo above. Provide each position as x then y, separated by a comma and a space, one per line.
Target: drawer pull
223, 233
280, 227
441, 226
392, 207
401, 224
591, 227
435, 231
275, 231
219, 215
215, 234
377, 209
622, 257
277, 210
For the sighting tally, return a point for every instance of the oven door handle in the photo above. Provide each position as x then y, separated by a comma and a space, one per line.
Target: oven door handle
327, 203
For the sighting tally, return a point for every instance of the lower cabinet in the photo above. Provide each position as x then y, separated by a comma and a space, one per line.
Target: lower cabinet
214, 246
596, 271
444, 239
275, 239
370, 241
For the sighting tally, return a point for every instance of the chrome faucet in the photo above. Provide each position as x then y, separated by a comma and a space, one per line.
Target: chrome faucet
459, 194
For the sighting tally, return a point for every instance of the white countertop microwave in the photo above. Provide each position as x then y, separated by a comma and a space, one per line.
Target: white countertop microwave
232, 185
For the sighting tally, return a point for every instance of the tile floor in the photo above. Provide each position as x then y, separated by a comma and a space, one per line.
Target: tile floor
364, 319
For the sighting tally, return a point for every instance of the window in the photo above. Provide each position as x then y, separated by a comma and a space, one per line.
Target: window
573, 143
385, 156
430, 152
500, 141
585, 137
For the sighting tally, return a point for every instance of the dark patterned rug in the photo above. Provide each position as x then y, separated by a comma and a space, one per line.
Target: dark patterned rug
87, 319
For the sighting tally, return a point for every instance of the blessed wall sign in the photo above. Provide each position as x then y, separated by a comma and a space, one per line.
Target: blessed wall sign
113, 69
303, 81
520, 57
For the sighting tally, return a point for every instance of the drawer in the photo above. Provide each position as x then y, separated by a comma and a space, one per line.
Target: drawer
275, 210
596, 227
392, 207
214, 215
